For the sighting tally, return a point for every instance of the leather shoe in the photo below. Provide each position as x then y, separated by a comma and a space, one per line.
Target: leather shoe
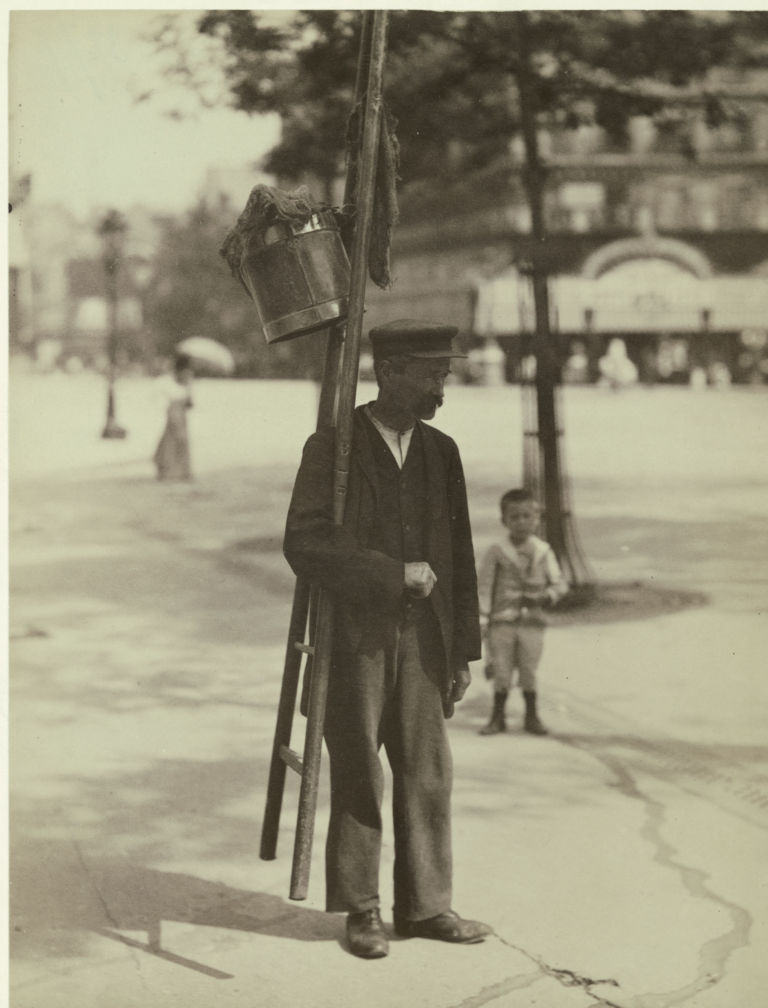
448, 927
365, 934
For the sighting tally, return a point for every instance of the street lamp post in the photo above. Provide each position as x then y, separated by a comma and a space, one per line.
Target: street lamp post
112, 230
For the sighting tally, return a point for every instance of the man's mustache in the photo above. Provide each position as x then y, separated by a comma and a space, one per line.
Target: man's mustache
430, 403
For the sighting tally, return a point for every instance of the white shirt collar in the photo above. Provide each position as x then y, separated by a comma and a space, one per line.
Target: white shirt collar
398, 442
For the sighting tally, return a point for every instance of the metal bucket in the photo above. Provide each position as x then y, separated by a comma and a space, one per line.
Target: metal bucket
298, 276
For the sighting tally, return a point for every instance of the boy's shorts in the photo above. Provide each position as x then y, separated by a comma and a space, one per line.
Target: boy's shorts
514, 647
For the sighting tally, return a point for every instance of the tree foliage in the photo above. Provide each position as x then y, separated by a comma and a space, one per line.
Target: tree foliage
302, 68
452, 76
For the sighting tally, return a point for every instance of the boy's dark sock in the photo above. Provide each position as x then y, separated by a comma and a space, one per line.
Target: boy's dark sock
532, 724
497, 723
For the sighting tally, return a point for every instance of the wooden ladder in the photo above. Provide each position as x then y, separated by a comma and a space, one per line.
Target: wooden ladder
311, 605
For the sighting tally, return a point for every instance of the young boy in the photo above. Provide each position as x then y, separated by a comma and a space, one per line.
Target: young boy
517, 577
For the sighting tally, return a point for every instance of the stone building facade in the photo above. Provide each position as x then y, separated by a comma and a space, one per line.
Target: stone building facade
662, 244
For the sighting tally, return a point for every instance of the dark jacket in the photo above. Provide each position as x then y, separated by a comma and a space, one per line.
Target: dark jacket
366, 585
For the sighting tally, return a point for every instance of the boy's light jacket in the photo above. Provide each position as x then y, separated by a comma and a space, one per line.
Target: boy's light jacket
507, 573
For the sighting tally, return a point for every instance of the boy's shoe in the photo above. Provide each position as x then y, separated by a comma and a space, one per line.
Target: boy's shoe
532, 724
447, 927
495, 725
365, 934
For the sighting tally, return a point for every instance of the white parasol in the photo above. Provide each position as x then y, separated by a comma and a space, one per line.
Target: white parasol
207, 354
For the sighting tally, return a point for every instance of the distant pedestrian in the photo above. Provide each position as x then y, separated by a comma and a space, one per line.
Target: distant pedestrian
616, 369
171, 456
518, 577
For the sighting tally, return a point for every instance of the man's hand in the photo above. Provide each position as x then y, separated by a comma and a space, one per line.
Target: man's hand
420, 579
461, 680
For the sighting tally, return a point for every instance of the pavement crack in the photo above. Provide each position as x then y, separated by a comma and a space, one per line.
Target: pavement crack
487, 995
105, 907
95, 885
565, 977
717, 779
714, 953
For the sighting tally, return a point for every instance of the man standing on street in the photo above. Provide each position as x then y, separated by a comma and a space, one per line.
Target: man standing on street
401, 572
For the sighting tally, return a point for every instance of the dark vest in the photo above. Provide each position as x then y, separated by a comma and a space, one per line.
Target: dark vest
400, 529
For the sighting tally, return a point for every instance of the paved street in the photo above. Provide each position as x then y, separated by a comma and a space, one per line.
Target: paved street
622, 861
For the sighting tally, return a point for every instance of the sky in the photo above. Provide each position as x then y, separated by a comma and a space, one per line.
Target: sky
75, 125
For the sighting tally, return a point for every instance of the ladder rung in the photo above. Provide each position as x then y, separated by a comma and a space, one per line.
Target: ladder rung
304, 648
291, 759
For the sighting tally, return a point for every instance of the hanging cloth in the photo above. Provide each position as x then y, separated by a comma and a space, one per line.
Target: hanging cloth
266, 206
385, 208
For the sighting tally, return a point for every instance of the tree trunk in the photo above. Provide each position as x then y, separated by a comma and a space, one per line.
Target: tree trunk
557, 519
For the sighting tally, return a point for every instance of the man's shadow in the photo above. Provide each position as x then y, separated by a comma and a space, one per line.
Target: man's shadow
58, 888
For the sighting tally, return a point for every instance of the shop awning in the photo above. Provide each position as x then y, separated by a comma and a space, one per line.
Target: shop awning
638, 296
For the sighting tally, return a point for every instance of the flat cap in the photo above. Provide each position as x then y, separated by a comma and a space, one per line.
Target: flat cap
414, 338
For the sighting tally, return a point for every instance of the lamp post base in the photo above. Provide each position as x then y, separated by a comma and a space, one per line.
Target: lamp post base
113, 430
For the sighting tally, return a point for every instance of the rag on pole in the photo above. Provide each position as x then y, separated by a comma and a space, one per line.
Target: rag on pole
364, 175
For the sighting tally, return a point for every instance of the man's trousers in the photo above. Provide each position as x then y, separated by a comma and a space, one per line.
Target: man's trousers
388, 694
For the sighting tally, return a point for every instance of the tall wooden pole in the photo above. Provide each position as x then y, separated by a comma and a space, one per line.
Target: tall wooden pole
318, 691
306, 596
